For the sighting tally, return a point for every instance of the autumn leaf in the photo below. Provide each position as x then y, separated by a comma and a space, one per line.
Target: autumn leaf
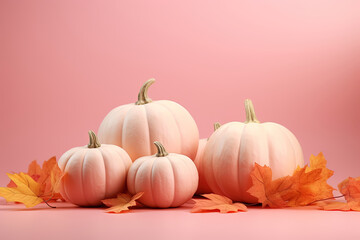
48, 177
350, 188
305, 186
322, 188
310, 182
270, 192
34, 171
27, 190
121, 203
339, 206
215, 202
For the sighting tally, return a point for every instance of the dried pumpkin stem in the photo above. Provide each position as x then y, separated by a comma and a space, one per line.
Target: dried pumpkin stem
217, 125
94, 142
250, 112
143, 97
161, 150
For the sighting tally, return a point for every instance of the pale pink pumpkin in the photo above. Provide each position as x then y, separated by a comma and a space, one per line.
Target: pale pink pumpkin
167, 180
232, 150
93, 172
203, 186
135, 127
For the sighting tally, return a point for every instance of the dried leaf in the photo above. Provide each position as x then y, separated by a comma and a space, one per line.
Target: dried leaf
215, 202
339, 206
322, 188
350, 188
48, 177
27, 190
270, 192
34, 170
121, 203
305, 186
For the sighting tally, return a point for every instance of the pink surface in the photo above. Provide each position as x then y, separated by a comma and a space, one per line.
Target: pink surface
65, 64
69, 222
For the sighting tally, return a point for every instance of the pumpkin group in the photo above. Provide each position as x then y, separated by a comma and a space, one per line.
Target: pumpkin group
135, 127
167, 180
232, 150
93, 172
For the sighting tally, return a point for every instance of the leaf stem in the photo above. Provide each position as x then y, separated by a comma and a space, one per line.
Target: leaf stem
46, 201
326, 199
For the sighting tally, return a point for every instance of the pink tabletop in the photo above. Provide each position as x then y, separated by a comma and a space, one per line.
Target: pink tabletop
70, 222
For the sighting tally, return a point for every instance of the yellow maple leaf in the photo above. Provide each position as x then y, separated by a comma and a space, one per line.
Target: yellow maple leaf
48, 177
27, 190
215, 202
121, 203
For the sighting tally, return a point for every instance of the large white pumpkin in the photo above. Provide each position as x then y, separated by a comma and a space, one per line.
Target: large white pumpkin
135, 127
232, 150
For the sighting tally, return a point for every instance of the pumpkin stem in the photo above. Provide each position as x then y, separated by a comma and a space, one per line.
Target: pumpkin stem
94, 142
217, 125
142, 96
250, 112
161, 150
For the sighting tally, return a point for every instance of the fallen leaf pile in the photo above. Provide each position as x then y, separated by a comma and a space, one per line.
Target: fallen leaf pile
36, 186
121, 203
307, 185
215, 202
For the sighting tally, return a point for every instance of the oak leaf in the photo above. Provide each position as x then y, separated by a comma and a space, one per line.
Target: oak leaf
215, 202
121, 203
273, 193
27, 190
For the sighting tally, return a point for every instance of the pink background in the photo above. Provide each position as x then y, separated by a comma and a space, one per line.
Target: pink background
65, 64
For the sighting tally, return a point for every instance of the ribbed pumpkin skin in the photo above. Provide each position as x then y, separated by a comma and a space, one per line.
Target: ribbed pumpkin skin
232, 150
203, 186
93, 174
135, 128
166, 181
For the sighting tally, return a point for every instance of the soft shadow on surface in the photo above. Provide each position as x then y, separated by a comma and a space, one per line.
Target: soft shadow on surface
41, 207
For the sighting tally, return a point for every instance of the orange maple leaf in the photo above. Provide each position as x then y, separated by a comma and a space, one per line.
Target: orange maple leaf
305, 186
350, 188
48, 177
215, 202
270, 192
121, 203
322, 188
